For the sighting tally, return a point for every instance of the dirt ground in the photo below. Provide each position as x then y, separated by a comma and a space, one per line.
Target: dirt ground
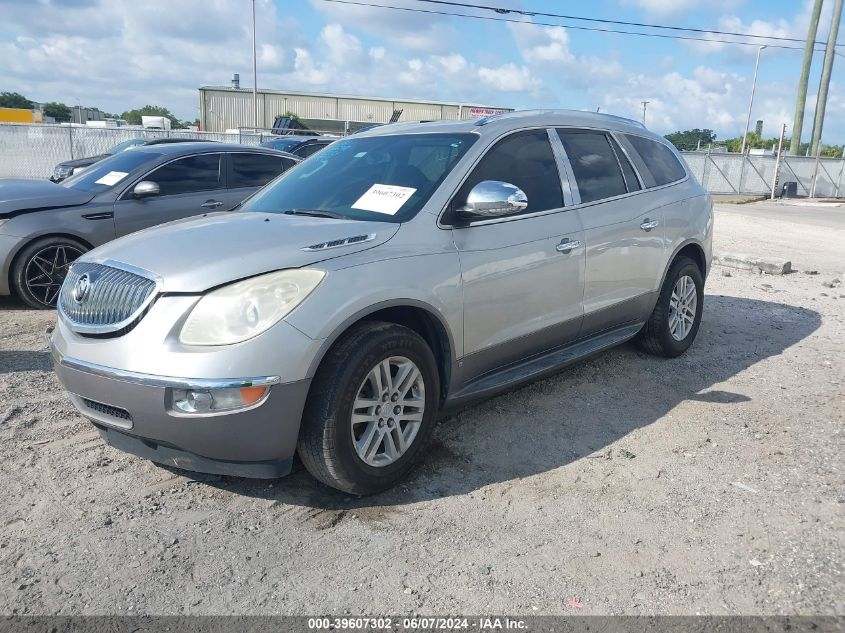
708, 484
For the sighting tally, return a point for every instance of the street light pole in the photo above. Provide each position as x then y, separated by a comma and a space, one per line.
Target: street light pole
254, 73
751, 103
645, 103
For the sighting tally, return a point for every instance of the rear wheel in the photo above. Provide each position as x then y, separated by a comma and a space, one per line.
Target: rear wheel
372, 407
41, 268
673, 323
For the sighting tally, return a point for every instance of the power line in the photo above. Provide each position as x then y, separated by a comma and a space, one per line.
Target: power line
564, 26
527, 13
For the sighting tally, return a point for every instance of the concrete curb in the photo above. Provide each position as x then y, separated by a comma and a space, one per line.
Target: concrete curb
769, 265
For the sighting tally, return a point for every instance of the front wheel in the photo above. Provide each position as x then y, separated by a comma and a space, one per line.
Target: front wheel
41, 268
673, 323
372, 407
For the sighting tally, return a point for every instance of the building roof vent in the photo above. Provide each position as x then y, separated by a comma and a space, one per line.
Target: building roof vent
236, 81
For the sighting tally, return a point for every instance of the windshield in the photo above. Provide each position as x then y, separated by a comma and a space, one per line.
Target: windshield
125, 145
382, 178
106, 173
284, 145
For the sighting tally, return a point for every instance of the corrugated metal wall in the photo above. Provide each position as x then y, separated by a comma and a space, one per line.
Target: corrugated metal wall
222, 109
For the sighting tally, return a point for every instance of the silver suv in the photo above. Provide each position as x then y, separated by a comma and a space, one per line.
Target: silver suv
396, 273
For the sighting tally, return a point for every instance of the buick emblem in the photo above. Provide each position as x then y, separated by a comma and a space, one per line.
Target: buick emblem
82, 288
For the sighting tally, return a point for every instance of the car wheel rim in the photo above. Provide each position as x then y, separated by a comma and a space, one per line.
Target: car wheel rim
682, 307
46, 271
388, 411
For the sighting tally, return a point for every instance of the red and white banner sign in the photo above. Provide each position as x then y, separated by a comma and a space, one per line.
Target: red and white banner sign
480, 112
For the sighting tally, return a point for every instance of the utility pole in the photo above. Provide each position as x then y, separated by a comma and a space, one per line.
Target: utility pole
751, 103
645, 103
776, 175
254, 73
801, 99
821, 101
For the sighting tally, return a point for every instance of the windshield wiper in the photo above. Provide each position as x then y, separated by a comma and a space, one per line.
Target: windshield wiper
314, 213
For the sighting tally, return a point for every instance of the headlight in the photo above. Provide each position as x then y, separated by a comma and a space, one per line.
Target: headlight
245, 309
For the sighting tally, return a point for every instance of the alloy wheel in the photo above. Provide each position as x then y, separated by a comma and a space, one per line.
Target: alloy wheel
682, 307
46, 271
388, 411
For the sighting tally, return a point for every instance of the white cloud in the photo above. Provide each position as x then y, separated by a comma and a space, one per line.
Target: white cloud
408, 30
509, 78
733, 24
342, 48
541, 43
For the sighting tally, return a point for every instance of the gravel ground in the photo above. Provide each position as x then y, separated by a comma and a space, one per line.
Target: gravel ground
708, 484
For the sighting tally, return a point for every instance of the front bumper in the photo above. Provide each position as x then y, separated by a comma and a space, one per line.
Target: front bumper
132, 413
9, 246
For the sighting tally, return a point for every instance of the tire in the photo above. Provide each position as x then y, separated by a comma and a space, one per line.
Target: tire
657, 336
328, 437
41, 267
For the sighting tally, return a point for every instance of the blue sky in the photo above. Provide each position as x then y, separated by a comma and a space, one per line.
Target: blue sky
119, 54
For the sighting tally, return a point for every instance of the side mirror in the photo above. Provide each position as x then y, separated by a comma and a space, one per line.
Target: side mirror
492, 199
145, 189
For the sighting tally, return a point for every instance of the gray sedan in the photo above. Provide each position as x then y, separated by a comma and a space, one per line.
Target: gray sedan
45, 226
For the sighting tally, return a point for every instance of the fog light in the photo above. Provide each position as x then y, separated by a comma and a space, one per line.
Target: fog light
216, 400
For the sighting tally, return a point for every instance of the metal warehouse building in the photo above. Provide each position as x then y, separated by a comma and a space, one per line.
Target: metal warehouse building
224, 108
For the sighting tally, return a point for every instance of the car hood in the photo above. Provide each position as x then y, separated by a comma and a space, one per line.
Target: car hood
196, 254
21, 196
84, 162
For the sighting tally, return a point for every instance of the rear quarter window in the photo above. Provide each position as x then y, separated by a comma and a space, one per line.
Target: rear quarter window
657, 164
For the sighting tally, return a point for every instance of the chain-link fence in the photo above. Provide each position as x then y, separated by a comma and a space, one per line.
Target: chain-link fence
734, 173
31, 151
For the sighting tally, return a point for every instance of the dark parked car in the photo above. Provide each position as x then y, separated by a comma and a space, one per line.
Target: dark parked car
302, 146
46, 226
70, 167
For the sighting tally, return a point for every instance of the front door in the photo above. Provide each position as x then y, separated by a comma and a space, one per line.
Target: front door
187, 186
522, 289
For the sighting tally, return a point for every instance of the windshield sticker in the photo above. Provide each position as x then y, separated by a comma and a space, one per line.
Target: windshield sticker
111, 178
384, 199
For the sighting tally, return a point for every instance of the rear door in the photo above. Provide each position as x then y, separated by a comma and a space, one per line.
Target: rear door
623, 232
247, 172
189, 186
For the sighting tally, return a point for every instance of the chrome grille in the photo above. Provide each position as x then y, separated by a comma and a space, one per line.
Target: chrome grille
107, 300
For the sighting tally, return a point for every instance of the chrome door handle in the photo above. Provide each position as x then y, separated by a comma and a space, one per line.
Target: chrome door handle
647, 225
566, 245
211, 204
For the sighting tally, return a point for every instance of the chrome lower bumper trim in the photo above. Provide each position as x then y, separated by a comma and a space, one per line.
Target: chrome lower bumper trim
160, 381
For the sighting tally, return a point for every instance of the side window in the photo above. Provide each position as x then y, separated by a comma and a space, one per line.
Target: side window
308, 149
186, 175
594, 164
253, 170
627, 170
524, 159
659, 161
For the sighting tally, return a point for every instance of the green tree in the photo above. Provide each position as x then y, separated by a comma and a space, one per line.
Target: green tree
15, 100
133, 117
833, 151
752, 141
59, 111
690, 139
